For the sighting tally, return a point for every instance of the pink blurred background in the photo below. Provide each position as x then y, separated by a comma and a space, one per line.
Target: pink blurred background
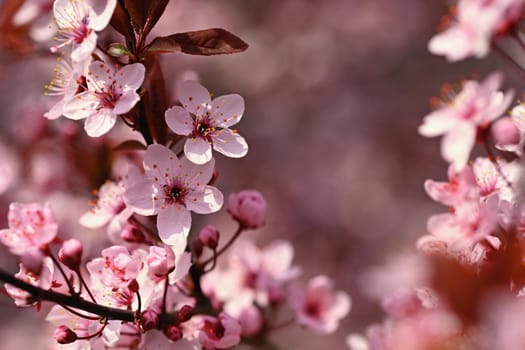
334, 93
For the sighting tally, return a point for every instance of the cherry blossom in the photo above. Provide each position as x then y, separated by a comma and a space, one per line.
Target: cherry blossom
319, 307
477, 22
222, 332
474, 108
171, 188
110, 92
77, 23
31, 226
43, 280
207, 123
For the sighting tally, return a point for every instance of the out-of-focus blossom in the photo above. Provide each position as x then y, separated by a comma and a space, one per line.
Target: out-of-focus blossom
461, 186
8, 169
222, 332
110, 207
70, 254
248, 207
31, 226
42, 280
117, 267
474, 108
207, 123
37, 14
171, 188
318, 306
110, 92
77, 23
477, 23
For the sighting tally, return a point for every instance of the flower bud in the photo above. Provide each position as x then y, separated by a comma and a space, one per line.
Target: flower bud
118, 50
132, 234
64, 335
133, 286
173, 333
209, 236
185, 313
251, 321
505, 132
149, 319
161, 261
248, 207
71, 253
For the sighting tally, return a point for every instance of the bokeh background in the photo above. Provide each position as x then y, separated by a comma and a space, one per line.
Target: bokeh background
334, 91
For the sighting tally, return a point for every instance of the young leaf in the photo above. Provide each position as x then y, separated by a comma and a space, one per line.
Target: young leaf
145, 14
207, 42
122, 23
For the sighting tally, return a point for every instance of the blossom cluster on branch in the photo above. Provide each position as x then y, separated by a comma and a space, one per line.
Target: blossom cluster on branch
159, 284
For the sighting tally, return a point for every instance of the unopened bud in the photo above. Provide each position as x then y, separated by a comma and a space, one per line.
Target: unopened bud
505, 132
173, 333
209, 236
132, 234
71, 253
149, 319
118, 50
248, 207
185, 313
133, 286
64, 335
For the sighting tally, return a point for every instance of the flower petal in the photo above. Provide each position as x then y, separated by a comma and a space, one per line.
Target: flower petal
197, 150
227, 109
160, 158
230, 144
171, 221
179, 120
100, 21
457, 144
139, 197
81, 106
126, 102
84, 50
194, 97
131, 76
205, 202
100, 123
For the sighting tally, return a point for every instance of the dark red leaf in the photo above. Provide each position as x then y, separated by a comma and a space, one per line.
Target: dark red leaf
130, 145
122, 23
214, 41
145, 13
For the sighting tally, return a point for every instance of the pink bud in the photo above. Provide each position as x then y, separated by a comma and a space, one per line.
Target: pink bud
71, 253
173, 333
133, 286
161, 261
64, 335
209, 236
248, 207
149, 319
185, 313
251, 321
132, 234
505, 132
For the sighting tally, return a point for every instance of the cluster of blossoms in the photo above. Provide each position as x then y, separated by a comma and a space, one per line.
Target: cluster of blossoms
159, 284
469, 294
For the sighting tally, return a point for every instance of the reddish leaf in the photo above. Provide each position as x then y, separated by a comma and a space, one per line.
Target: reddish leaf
122, 23
145, 13
214, 41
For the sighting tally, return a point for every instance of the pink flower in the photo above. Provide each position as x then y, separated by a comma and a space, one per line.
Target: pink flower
476, 24
171, 188
207, 123
43, 280
461, 186
71, 253
110, 92
319, 307
31, 226
223, 332
116, 267
77, 23
110, 207
248, 207
475, 107
161, 261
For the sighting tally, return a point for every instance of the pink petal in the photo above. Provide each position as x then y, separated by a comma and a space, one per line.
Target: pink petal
98, 124
95, 219
81, 106
171, 221
99, 22
205, 202
197, 176
457, 144
194, 97
437, 123
99, 74
230, 144
179, 120
84, 50
126, 102
197, 150
227, 109
131, 76
139, 198
160, 158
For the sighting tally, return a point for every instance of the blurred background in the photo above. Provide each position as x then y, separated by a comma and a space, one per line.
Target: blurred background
334, 91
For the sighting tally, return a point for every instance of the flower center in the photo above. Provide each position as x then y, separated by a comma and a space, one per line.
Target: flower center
175, 194
108, 98
214, 329
81, 31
